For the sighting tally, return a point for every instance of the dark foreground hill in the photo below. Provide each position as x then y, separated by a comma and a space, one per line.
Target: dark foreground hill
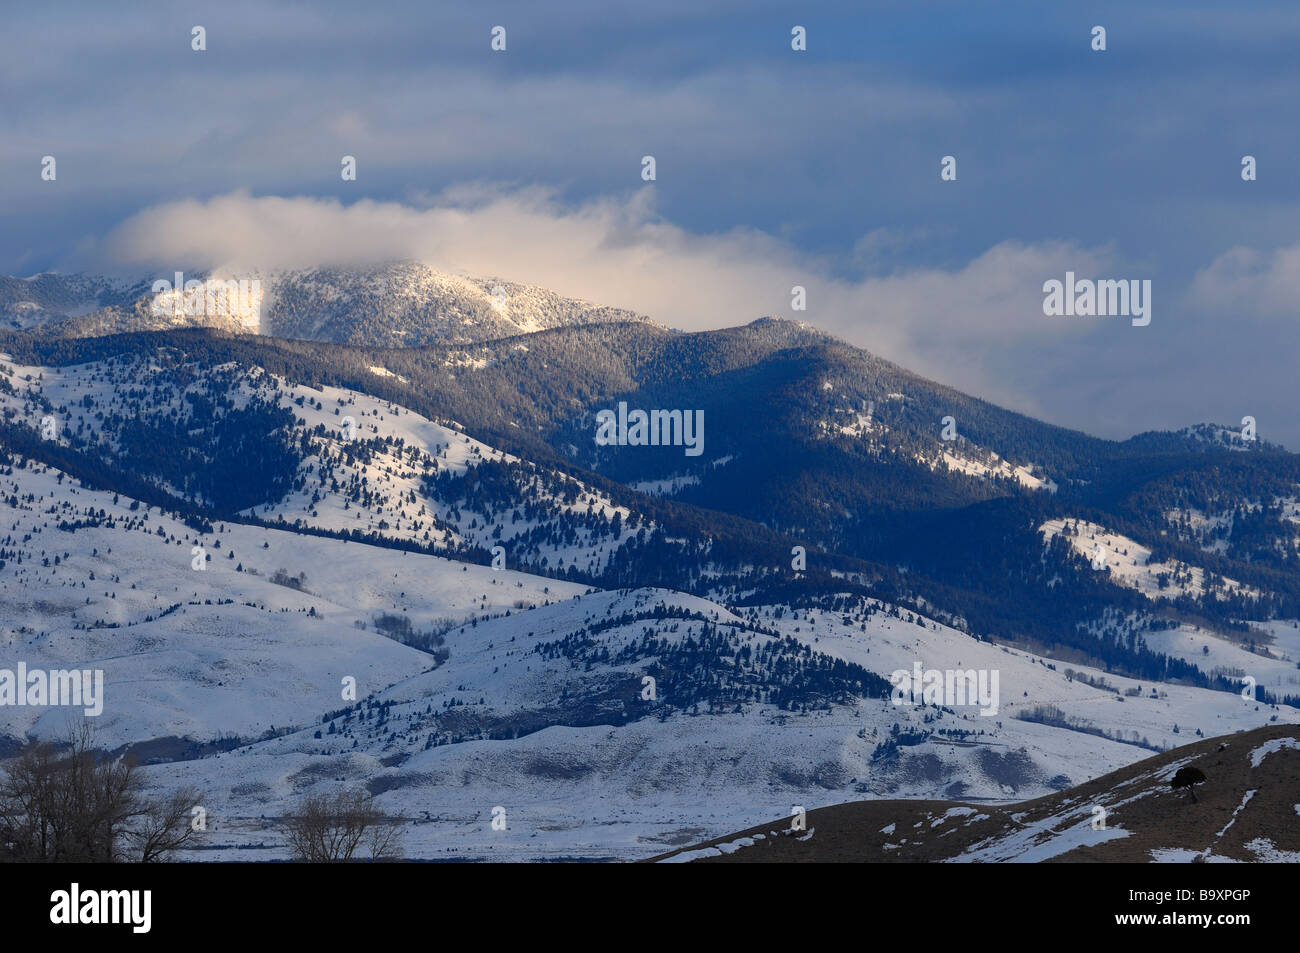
1247, 810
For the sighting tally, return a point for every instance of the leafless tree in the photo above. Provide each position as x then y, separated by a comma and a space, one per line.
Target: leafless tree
71, 803
330, 828
163, 826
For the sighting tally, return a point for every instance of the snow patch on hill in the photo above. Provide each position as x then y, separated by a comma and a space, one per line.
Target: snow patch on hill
1130, 563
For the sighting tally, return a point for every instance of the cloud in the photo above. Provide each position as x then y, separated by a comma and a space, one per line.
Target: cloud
1244, 280
959, 326
612, 251
775, 169
976, 325
617, 252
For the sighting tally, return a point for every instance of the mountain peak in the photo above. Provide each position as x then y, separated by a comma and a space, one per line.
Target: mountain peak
394, 304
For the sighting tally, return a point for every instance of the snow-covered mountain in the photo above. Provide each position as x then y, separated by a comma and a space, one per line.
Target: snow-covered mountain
303, 566
51, 300
535, 696
400, 304
298, 539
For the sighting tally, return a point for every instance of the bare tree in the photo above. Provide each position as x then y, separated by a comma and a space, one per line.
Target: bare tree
163, 826
330, 828
385, 839
64, 805
71, 803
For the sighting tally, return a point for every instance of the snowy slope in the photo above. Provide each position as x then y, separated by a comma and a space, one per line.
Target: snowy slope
626, 788
399, 304
540, 711
1130, 563
222, 650
366, 468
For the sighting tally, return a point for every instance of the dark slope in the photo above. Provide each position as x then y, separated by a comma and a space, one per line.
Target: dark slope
1245, 811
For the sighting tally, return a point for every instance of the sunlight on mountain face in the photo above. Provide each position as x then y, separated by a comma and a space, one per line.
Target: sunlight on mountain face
250, 310
237, 300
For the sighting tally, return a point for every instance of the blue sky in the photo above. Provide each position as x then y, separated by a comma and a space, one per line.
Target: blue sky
819, 168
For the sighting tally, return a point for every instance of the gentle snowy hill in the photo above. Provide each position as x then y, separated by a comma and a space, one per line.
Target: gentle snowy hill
545, 713
259, 637
493, 688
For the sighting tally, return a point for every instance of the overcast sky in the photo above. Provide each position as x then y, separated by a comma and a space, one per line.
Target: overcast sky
774, 168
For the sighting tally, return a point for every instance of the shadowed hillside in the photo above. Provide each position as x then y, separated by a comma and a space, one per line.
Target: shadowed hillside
1247, 810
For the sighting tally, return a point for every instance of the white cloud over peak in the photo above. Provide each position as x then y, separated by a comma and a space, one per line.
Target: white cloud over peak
976, 325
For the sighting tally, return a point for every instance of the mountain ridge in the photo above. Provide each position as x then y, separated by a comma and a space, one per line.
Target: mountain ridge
401, 303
